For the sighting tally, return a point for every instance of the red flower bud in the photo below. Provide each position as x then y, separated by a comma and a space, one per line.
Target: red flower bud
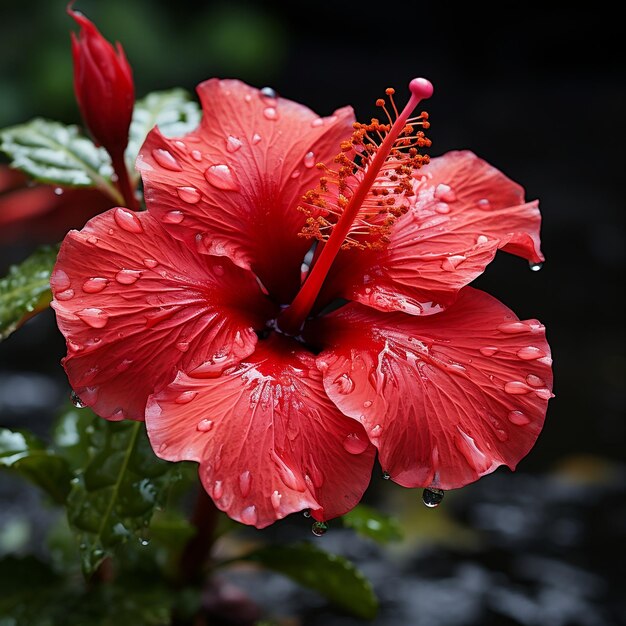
103, 84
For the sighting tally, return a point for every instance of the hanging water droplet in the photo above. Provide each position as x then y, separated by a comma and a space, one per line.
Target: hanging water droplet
386, 476
58, 191
268, 92
76, 401
306, 513
432, 497
249, 515
534, 267
275, 499
144, 542
221, 176
319, 528
218, 489
165, 159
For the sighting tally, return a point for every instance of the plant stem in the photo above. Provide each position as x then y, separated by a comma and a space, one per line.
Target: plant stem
123, 181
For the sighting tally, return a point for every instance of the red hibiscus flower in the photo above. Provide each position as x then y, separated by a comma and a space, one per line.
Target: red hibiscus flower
282, 367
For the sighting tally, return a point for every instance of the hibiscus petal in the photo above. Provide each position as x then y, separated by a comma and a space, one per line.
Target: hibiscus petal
464, 210
232, 187
136, 306
445, 398
268, 440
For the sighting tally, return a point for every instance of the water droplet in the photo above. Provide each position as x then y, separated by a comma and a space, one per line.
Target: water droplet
518, 418
488, 350
449, 264
354, 444
530, 353
442, 208
165, 159
256, 138
517, 388
432, 497
173, 217
190, 195
484, 204
268, 92
218, 270
218, 489
481, 240
345, 384
150, 263
76, 401
319, 528
386, 475
270, 113
96, 318
58, 191
534, 267
122, 366
309, 160
376, 431
95, 285
233, 144
317, 122
295, 174
535, 381
196, 155
445, 193
249, 515
59, 280
544, 394
221, 176
92, 240
245, 483
68, 294
127, 277
127, 221
183, 346
513, 328
306, 513
185, 397
367, 404
144, 542
204, 425
275, 499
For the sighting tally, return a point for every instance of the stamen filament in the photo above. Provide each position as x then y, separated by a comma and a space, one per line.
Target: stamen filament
292, 318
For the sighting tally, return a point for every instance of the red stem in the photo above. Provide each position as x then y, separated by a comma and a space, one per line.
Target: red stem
123, 181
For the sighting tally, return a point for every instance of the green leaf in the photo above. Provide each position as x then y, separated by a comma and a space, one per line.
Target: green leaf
172, 111
25, 290
27, 455
371, 523
332, 575
123, 483
57, 154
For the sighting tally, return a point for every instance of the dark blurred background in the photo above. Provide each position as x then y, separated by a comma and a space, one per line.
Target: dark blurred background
537, 91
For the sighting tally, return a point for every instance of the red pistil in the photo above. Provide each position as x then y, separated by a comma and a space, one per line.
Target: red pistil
347, 209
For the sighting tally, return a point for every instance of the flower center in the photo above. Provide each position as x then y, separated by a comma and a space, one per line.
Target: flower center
357, 202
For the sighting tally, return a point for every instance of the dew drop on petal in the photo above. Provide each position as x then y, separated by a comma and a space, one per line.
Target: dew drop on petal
544, 394
233, 143
127, 277
367, 404
517, 388
204, 425
354, 444
92, 240
488, 350
122, 366
309, 160
196, 155
534, 267
185, 397
150, 263
58, 191
317, 122
76, 401
529, 353
95, 285
443, 208
484, 204
183, 346
376, 431
445, 193
482, 239
59, 280
256, 138
513, 328
249, 515
221, 176
270, 113
245, 483
432, 497
190, 195
96, 318
173, 217
319, 528
68, 294
345, 384
127, 220
295, 174
166, 160
518, 418
275, 499
268, 92
449, 264
218, 489
535, 381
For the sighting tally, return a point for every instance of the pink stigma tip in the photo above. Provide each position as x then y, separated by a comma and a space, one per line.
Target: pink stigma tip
421, 88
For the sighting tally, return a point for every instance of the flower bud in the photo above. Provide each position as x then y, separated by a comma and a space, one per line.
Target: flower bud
103, 84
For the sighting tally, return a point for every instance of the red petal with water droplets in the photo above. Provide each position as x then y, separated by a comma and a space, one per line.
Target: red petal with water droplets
244, 171
268, 440
446, 398
136, 306
464, 210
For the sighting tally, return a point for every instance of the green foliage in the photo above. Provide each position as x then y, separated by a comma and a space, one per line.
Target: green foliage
371, 523
115, 495
57, 154
25, 290
27, 455
336, 578
172, 111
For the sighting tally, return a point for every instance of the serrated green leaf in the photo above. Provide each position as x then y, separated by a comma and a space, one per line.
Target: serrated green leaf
114, 497
371, 523
25, 290
54, 153
24, 453
336, 578
173, 111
